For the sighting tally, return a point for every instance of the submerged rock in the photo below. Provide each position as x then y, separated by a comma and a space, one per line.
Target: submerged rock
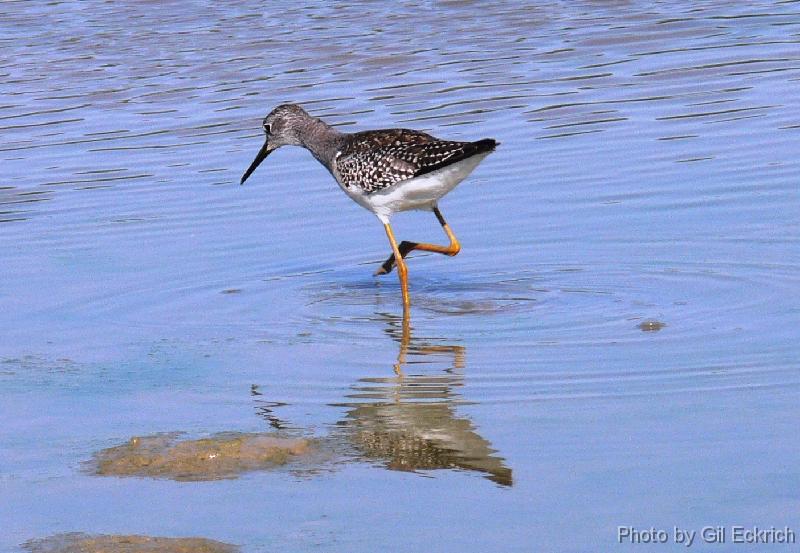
84, 543
220, 456
651, 326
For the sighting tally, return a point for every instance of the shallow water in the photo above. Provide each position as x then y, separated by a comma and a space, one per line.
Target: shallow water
616, 345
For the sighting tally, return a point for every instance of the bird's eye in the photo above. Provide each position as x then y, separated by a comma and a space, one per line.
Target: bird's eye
267, 128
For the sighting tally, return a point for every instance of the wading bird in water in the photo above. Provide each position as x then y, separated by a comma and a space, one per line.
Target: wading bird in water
384, 171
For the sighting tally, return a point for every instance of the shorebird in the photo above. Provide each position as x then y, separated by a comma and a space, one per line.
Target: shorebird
384, 171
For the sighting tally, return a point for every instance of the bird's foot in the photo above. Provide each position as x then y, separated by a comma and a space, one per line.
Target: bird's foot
386, 267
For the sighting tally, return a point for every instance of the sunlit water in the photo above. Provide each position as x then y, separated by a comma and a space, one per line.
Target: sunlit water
616, 345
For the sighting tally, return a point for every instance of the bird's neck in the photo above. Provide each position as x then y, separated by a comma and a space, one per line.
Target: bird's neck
321, 140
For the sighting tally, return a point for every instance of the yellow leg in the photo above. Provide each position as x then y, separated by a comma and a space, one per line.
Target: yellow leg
406, 247
402, 271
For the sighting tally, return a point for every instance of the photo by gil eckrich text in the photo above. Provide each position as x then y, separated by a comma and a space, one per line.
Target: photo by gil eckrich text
707, 534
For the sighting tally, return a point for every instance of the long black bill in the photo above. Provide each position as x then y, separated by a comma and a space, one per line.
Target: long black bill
261, 156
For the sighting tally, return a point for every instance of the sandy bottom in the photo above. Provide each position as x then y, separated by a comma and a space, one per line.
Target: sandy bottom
220, 456
84, 543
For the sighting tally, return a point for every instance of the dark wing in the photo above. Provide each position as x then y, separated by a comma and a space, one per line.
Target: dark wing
374, 160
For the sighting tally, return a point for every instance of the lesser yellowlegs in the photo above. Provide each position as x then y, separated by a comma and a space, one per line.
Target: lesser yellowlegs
384, 171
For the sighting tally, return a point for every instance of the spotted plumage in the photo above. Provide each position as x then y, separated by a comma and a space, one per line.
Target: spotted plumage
374, 160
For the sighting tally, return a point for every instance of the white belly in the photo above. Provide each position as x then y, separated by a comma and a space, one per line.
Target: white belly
421, 192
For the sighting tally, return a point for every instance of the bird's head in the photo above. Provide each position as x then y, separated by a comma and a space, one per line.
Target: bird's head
282, 127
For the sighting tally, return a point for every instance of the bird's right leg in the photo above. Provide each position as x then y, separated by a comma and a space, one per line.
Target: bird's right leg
406, 247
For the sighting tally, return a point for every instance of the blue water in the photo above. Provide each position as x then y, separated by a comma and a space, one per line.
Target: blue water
616, 344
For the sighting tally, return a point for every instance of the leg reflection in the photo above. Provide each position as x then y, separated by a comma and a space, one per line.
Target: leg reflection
422, 348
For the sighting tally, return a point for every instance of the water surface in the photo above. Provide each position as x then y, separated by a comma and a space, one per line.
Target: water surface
616, 344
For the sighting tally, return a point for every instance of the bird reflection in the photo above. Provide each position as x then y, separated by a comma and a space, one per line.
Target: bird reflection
266, 409
409, 421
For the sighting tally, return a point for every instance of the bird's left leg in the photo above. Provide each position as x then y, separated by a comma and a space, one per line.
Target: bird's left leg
406, 247
402, 271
